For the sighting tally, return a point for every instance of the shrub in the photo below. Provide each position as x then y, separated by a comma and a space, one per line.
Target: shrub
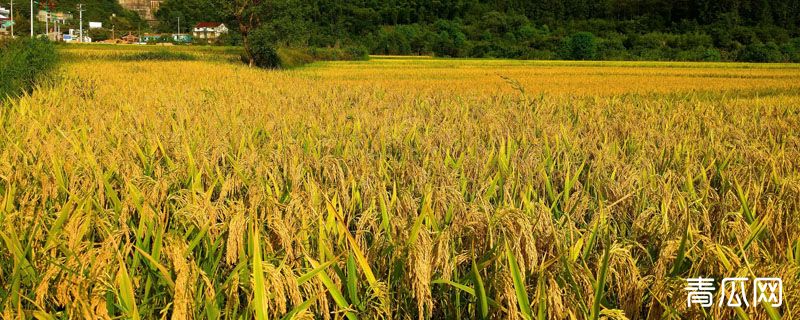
582, 46
792, 50
611, 49
23, 63
292, 57
699, 54
357, 52
263, 50
449, 41
759, 52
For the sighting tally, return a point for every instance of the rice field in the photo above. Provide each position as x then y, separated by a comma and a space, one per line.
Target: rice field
397, 188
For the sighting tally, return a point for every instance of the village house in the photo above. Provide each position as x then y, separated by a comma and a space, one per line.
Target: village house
158, 38
5, 21
209, 31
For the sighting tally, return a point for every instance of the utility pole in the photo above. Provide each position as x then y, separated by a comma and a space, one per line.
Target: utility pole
80, 11
12, 18
55, 29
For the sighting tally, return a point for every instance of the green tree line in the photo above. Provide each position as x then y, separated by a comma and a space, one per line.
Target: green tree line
702, 30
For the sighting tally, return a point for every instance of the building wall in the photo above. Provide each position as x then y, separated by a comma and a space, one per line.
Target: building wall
145, 8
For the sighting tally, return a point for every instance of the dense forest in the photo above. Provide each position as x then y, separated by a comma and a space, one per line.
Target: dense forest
704, 30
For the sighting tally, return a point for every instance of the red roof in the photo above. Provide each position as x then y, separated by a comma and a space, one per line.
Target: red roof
208, 24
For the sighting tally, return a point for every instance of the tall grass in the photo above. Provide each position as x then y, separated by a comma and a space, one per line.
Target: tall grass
396, 189
23, 63
163, 55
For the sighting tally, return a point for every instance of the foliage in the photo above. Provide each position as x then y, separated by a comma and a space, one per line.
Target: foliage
190, 13
582, 46
448, 39
759, 52
262, 51
109, 12
24, 62
633, 30
792, 50
274, 23
293, 57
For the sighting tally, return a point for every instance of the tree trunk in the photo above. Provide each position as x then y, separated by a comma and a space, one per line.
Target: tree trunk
245, 30
250, 60
247, 21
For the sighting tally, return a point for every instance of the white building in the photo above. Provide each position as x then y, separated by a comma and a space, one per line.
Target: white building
209, 31
5, 21
4, 13
74, 36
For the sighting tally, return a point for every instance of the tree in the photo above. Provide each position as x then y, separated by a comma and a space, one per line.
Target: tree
583, 46
508, 28
247, 15
450, 41
277, 22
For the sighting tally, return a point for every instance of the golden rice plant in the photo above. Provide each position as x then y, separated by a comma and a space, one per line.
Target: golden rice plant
397, 188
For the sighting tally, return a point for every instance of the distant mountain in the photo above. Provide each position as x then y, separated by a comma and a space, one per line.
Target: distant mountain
145, 8
103, 11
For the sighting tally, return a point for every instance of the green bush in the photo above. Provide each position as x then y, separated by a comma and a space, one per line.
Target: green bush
24, 62
449, 40
263, 50
357, 52
699, 54
792, 50
582, 46
293, 57
759, 52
